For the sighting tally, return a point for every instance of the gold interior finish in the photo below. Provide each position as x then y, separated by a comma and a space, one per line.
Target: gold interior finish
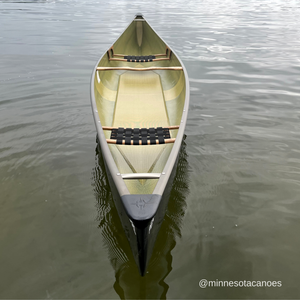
141, 97
135, 99
139, 33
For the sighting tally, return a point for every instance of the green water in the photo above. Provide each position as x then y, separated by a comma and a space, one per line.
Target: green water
234, 207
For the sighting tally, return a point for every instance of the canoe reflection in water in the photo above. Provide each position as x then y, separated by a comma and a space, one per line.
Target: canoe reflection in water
129, 283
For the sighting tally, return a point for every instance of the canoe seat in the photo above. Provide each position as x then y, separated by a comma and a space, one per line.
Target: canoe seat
139, 58
137, 136
133, 58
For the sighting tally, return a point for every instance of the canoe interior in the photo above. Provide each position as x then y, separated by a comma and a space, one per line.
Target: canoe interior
134, 99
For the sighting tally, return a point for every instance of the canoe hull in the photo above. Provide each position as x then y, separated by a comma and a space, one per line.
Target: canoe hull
141, 203
141, 234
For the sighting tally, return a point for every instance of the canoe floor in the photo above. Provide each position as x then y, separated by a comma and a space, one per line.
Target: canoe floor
140, 103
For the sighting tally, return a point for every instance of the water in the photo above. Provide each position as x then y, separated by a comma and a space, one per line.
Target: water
234, 211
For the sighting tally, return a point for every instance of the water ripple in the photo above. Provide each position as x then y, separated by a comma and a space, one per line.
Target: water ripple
242, 139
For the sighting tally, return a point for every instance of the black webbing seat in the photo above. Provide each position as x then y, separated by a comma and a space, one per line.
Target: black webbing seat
139, 58
144, 135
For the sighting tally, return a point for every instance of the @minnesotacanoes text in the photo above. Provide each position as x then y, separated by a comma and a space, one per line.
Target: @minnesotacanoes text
203, 283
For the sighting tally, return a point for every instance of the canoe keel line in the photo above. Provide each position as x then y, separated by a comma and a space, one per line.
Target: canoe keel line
140, 99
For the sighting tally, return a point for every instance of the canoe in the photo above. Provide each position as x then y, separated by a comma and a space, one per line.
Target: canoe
140, 98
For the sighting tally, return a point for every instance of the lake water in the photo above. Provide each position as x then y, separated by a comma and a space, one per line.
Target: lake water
235, 204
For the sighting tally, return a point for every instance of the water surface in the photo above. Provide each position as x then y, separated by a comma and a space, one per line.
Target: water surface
234, 209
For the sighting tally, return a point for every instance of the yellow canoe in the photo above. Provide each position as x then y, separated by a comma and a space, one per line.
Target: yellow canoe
140, 98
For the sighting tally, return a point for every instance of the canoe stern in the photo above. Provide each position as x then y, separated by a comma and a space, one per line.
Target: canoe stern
141, 207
